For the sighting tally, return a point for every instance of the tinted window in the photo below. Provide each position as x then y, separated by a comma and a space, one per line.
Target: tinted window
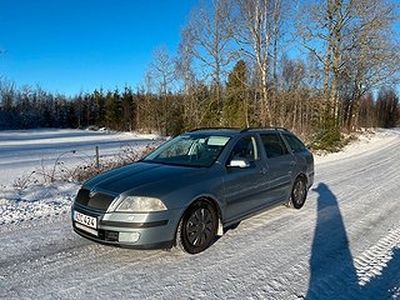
273, 145
295, 144
245, 148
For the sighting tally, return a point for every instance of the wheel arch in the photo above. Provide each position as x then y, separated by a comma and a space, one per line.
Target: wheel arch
302, 176
216, 207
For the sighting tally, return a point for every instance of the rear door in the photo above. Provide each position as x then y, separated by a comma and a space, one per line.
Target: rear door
304, 158
280, 165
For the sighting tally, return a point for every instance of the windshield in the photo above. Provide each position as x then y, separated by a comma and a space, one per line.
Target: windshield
187, 150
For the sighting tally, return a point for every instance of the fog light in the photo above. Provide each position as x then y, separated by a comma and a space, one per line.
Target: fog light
131, 237
111, 236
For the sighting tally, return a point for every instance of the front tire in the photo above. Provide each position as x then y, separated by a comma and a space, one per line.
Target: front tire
198, 227
299, 193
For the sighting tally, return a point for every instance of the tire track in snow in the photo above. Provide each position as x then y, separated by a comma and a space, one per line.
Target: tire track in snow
370, 265
372, 261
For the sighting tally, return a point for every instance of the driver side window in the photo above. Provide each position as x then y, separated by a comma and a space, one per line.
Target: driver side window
246, 147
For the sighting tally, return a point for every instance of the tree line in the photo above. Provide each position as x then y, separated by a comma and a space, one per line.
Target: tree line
317, 67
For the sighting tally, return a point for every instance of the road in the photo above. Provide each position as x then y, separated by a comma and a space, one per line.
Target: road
343, 244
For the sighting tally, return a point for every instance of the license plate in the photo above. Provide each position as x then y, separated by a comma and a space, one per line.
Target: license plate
86, 220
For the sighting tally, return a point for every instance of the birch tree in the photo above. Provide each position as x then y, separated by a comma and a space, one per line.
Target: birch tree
350, 40
258, 29
209, 31
373, 50
185, 72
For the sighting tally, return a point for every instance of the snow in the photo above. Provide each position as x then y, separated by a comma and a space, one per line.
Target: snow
29, 157
23, 151
343, 244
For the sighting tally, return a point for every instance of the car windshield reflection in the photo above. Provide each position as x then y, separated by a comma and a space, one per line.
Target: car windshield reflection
189, 150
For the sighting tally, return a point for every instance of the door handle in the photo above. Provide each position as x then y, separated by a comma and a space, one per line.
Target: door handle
292, 163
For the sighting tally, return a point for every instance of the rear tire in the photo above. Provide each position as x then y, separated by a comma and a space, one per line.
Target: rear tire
299, 193
198, 227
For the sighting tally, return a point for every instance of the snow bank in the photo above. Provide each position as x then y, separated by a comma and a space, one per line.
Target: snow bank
366, 142
36, 202
27, 156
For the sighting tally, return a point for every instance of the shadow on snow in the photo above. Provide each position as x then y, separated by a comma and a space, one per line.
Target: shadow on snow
333, 274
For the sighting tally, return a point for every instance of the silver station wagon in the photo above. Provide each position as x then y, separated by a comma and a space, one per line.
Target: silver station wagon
191, 188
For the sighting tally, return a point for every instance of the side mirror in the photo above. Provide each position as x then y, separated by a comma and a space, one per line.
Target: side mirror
241, 163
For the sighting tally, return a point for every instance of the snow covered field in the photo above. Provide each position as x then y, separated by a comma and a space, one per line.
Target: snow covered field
344, 243
45, 152
25, 150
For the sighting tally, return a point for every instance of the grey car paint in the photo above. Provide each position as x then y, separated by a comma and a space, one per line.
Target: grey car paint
236, 192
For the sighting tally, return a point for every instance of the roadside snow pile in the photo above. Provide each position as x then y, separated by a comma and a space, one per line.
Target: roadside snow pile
36, 202
368, 141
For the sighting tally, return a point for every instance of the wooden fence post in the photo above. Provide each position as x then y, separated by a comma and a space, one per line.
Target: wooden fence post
97, 159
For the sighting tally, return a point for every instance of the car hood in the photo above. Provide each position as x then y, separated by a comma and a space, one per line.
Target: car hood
136, 175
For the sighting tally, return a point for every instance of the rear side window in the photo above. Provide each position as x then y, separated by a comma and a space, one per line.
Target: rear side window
295, 144
273, 145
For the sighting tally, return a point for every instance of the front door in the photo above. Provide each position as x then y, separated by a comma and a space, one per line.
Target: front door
245, 187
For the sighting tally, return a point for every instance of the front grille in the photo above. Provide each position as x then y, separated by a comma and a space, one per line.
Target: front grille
96, 200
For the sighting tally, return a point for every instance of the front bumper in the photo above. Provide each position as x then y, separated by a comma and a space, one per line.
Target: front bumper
142, 231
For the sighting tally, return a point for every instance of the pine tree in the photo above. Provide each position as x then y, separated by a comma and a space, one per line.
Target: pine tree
100, 115
110, 110
236, 106
128, 110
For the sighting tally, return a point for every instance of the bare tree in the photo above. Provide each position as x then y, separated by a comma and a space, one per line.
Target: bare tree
162, 72
258, 30
253, 34
210, 33
321, 28
373, 54
185, 72
147, 118
349, 39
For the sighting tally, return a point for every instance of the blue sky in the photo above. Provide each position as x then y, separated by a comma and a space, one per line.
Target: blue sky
73, 46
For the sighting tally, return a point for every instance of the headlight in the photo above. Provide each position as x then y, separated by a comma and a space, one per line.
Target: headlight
141, 204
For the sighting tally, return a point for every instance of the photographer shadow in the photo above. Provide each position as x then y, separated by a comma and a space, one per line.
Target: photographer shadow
328, 279
333, 274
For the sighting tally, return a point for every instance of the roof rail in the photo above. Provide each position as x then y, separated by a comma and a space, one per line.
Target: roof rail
215, 128
266, 127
